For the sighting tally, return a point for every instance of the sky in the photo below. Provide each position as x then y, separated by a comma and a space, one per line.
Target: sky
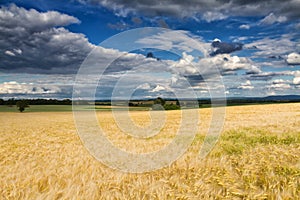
236, 48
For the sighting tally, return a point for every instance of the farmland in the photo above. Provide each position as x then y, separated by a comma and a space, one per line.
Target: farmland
256, 157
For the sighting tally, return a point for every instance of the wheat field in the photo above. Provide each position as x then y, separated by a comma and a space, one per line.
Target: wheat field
256, 157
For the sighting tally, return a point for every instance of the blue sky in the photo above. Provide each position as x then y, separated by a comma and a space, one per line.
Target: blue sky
255, 46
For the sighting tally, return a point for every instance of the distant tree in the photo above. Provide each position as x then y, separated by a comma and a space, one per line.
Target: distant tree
10, 102
1, 102
160, 101
171, 107
21, 105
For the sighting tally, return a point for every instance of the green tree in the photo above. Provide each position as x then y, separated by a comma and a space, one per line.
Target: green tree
21, 105
160, 101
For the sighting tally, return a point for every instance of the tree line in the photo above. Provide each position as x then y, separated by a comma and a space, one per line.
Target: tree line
13, 101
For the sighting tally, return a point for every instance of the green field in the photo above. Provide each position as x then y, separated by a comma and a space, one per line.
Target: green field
65, 108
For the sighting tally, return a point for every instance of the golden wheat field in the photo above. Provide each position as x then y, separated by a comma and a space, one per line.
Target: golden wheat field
256, 157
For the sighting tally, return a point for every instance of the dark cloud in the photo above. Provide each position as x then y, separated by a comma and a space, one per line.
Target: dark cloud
223, 47
194, 79
188, 8
33, 42
265, 76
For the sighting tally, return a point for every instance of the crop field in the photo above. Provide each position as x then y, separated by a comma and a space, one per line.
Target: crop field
256, 157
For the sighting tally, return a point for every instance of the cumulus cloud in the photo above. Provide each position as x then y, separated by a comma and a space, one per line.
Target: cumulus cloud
246, 86
208, 9
220, 47
14, 87
279, 84
293, 59
296, 79
34, 42
32, 20
227, 63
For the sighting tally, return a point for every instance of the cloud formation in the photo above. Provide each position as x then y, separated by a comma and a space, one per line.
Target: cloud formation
293, 59
14, 87
208, 9
271, 19
220, 47
35, 42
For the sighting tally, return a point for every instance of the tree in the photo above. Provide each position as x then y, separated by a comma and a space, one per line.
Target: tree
21, 105
160, 101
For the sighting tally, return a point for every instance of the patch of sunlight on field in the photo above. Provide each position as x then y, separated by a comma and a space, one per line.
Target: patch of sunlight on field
257, 157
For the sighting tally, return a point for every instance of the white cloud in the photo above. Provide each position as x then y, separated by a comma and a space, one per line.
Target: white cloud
145, 86
213, 16
279, 81
271, 19
158, 88
278, 46
178, 40
32, 19
228, 63
14, 87
244, 26
10, 53
246, 86
296, 79
280, 86
185, 65
293, 59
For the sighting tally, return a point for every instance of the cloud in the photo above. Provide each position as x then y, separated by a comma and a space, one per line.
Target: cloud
271, 19
296, 79
14, 87
279, 86
10, 53
293, 59
246, 86
208, 9
178, 40
34, 42
273, 47
32, 19
145, 86
158, 88
220, 47
213, 16
244, 26
227, 63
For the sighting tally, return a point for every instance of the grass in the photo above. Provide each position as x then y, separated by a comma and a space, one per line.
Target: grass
65, 108
257, 157
38, 108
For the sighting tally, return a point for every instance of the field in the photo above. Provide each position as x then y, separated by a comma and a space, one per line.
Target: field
256, 157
